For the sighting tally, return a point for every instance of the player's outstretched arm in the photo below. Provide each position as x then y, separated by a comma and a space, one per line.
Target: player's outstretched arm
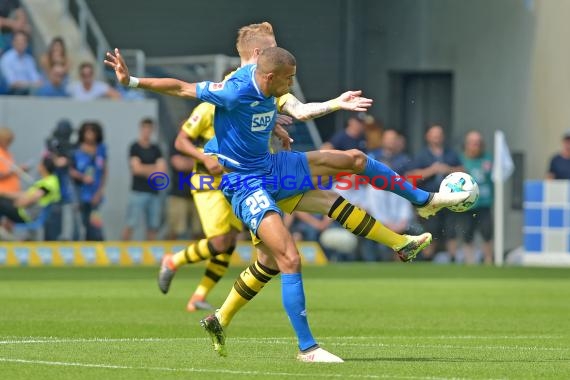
167, 86
350, 101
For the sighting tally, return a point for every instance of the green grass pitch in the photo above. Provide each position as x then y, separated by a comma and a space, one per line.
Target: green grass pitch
400, 321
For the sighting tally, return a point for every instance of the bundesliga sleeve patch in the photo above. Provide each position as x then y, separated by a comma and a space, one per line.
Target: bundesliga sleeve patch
216, 86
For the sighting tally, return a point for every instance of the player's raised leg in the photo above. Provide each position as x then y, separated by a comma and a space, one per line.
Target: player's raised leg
332, 162
361, 223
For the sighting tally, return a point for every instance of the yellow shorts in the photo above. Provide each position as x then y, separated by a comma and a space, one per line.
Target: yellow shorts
287, 205
215, 213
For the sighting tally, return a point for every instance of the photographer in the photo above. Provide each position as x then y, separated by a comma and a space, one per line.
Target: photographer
60, 150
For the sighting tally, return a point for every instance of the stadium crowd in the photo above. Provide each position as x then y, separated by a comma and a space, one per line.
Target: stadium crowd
80, 164
50, 75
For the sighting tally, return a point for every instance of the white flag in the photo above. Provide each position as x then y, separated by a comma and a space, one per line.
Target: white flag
503, 166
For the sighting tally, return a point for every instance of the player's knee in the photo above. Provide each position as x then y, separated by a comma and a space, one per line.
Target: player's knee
290, 262
222, 243
358, 160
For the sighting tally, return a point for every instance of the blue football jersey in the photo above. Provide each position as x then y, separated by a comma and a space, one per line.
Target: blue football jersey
243, 120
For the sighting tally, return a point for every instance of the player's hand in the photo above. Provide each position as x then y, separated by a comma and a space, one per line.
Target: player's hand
212, 165
352, 101
117, 63
282, 134
283, 119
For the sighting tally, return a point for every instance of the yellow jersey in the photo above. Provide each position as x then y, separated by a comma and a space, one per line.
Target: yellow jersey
200, 128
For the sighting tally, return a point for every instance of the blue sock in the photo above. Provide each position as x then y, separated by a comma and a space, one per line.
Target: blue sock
391, 181
294, 303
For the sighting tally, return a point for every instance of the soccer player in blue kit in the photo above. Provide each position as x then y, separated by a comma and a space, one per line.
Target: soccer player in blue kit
245, 114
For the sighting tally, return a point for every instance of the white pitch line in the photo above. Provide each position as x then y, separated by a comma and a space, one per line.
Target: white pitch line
450, 337
40, 339
89, 340
54, 340
516, 348
219, 371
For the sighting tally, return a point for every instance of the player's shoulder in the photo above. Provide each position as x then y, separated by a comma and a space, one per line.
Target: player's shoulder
242, 77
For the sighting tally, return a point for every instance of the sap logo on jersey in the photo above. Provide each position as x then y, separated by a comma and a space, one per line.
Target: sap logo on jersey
260, 121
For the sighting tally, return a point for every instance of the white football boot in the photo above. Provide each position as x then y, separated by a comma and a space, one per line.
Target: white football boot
318, 355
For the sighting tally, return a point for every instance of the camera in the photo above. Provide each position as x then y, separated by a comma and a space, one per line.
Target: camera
59, 143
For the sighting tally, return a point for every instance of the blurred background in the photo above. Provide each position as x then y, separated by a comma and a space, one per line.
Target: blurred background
445, 75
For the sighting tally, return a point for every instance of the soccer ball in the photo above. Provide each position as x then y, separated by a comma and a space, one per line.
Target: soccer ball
459, 181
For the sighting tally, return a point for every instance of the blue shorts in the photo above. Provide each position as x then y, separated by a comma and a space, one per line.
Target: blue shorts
144, 207
253, 194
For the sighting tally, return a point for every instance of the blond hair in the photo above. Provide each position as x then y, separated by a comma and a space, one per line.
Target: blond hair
251, 37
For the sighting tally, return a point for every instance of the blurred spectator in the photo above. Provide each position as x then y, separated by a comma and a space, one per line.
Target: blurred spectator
351, 137
89, 170
55, 85
560, 164
55, 55
145, 158
305, 226
391, 152
87, 88
60, 150
9, 180
432, 164
19, 68
394, 212
390, 209
479, 165
23, 207
128, 93
337, 243
373, 134
179, 200
12, 19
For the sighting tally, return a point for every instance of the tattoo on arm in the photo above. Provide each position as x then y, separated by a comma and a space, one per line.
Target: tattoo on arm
306, 111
